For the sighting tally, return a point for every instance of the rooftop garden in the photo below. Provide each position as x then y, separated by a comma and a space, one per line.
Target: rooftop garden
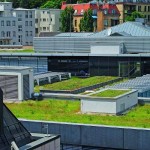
75, 83
17, 51
110, 93
69, 111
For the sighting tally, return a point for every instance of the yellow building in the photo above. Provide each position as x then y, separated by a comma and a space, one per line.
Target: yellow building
126, 9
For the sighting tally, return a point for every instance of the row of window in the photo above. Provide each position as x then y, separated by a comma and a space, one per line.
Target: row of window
13, 33
13, 23
146, 8
44, 20
26, 16
8, 34
8, 23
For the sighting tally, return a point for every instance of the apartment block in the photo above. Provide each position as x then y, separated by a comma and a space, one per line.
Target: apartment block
47, 20
126, 8
17, 26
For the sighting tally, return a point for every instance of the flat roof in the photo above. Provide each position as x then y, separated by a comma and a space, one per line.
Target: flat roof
14, 68
70, 54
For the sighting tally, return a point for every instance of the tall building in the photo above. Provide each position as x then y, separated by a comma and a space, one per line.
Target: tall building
17, 26
47, 20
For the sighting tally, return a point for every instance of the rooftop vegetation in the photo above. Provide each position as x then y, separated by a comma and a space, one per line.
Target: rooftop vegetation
75, 83
69, 111
110, 93
17, 51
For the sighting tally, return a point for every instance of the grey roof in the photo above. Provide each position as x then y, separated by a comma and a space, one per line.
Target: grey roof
128, 28
75, 34
124, 29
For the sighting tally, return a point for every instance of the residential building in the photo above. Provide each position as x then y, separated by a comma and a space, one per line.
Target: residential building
8, 25
26, 25
107, 16
126, 8
79, 10
47, 20
17, 26
104, 14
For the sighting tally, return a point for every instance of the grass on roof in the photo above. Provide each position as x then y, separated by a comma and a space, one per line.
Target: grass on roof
75, 83
110, 93
69, 111
17, 51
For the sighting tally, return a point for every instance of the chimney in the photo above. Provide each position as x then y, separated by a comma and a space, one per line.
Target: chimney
1, 111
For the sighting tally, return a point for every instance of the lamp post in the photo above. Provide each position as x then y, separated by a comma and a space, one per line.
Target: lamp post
70, 19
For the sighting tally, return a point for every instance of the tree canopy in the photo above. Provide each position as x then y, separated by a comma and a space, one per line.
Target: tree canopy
67, 19
134, 15
86, 23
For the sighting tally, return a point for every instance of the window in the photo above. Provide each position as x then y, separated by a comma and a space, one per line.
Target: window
145, 8
94, 12
20, 39
113, 11
26, 14
30, 33
148, 8
2, 23
47, 28
30, 23
7, 23
105, 11
43, 12
26, 33
2, 34
20, 28
36, 20
36, 30
148, 17
139, 8
26, 23
14, 34
13, 23
30, 14
75, 23
44, 19
8, 33
105, 22
44, 28
19, 19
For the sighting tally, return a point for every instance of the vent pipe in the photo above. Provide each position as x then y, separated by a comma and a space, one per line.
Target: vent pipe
1, 111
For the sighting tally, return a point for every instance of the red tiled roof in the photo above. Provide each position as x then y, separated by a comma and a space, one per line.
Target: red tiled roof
81, 8
110, 7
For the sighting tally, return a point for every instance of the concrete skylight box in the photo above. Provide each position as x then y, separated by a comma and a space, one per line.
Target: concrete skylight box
109, 101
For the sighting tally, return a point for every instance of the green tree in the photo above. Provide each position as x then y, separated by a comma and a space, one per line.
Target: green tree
52, 4
86, 23
134, 15
67, 19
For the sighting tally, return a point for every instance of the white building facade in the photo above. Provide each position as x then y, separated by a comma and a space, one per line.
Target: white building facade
47, 20
17, 26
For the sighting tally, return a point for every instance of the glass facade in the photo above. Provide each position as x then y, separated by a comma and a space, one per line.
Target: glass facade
124, 66
68, 64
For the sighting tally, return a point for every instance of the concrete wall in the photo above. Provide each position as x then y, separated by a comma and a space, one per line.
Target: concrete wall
95, 135
99, 105
109, 105
129, 100
99, 49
